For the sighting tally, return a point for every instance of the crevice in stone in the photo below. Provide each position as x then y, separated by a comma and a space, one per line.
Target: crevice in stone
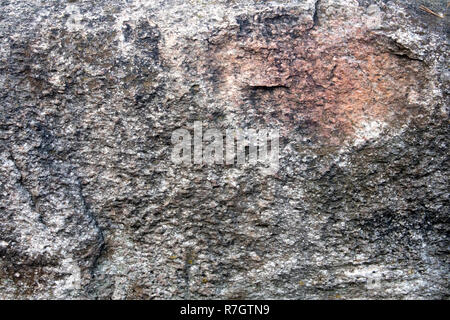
268, 87
316, 15
22, 185
404, 55
96, 252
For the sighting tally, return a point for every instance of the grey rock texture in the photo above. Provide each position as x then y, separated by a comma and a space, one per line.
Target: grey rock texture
92, 207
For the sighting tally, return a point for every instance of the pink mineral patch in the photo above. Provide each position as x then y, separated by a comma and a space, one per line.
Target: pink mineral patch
324, 78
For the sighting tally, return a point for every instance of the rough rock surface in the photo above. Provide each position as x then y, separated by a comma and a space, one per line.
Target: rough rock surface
91, 205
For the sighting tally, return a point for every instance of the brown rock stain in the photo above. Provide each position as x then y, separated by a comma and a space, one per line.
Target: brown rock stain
328, 82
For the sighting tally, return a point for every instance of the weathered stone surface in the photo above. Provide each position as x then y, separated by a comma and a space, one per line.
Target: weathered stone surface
91, 205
